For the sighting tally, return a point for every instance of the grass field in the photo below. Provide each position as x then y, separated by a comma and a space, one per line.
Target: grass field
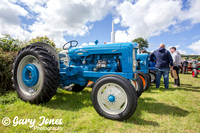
158, 110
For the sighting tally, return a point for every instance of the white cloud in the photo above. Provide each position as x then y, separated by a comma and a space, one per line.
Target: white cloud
54, 18
182, 52
121, 36
177, 48
195, 46
193, 13
116, 20
9, 19
58, 18
148, 18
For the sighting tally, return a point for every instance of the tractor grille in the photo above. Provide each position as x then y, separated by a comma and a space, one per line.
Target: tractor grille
134, 61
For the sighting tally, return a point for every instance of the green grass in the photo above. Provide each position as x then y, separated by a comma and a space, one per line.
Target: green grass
158, 110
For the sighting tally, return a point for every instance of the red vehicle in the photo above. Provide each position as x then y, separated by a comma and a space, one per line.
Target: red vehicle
190, 68
195, 72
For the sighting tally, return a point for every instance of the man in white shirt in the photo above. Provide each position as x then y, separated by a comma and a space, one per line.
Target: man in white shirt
177, 63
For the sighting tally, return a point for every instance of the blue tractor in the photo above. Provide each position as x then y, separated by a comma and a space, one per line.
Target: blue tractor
152, 71
142, 69
39, 70
148, 67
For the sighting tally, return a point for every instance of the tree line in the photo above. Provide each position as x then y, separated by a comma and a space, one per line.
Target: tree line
8, 43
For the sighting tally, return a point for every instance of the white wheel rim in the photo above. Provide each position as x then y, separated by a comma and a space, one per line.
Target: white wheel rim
120, 96
29, 91
152, 77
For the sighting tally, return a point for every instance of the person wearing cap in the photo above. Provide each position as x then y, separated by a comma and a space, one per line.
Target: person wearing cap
177, 63
163, 60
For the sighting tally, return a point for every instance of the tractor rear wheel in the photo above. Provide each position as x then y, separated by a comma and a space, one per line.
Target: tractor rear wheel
138, 85
145, 79
35, 74
152, 74
114, 97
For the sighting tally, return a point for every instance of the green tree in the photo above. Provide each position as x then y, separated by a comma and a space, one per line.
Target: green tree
186, 57
43, 39
7, 43
143, 43
198, 58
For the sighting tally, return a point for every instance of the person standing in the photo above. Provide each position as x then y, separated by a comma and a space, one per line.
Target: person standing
194, 64
163, 60
177, 63
185, 67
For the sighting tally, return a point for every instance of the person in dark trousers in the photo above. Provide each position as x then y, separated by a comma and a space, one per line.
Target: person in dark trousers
194, 64
185, 66
163, 60
177, 63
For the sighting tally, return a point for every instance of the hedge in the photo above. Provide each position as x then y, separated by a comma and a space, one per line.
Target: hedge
6, 62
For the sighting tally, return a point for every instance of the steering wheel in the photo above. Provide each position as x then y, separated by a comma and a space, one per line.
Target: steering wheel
72, 43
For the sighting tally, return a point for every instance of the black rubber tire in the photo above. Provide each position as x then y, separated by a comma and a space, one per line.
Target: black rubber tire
194, 73
146, 79
130, 93
152, 73
50, 70
139, 85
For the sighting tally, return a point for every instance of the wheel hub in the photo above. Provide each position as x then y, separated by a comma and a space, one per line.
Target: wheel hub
111, 98
30, 75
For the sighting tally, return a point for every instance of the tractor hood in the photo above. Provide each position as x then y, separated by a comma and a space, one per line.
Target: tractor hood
100, 49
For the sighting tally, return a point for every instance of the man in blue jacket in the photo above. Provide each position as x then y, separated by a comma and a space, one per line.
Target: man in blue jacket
163, 60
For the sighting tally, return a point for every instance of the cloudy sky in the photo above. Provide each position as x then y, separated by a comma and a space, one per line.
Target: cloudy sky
172, 22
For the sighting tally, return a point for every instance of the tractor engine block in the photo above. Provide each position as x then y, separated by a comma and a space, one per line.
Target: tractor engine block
78, 65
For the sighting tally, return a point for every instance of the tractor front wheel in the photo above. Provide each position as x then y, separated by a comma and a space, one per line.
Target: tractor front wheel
114, 97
